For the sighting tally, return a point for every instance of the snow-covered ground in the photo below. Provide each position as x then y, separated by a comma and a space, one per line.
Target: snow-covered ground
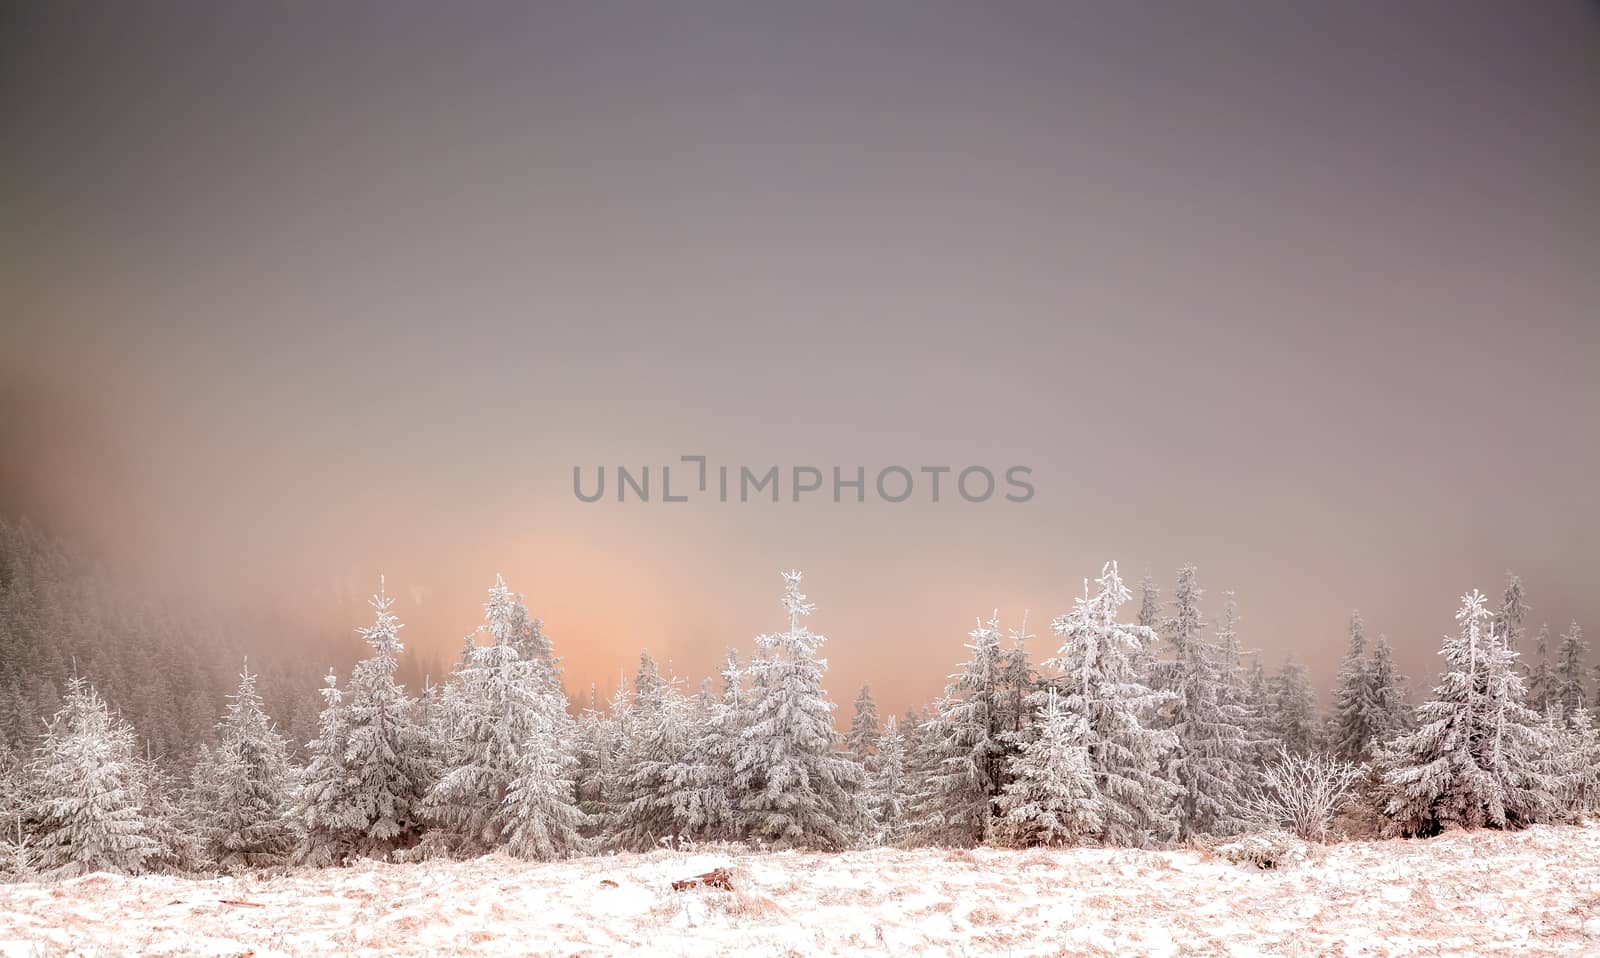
1530, 893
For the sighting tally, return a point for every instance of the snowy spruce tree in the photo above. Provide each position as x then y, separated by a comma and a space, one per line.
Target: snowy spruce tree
655, 740
889, 788
799, 790
1388, 714
91, 796
1569, 691
967, 778
1541, 677
1098, 683
1513, 614
329, 817
1017, 682
1205, 716
541, 801
1479, 755
246, 820
1294, 709
1051, 799
862, 739
1349, 737
386, 748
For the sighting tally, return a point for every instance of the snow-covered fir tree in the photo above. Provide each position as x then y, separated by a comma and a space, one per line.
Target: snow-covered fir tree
495, 714
799, 791
1569, 691
655, 741
1574, 761
862, 739
541, 802
1017, 682
1513, 613
331, 823
1051, 799
90, 793
386, 748
700, 781
246, 820
967, 778
1205, 715
1541, 677
889, 788
1259, 716
1098, 683
1478, 756
1294, 709
1388, 713
16, 841
1349, 737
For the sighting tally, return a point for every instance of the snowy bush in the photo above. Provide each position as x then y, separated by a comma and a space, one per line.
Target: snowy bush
1265, 850
1302, 793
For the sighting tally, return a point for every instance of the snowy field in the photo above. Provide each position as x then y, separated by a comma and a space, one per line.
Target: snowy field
1530, 893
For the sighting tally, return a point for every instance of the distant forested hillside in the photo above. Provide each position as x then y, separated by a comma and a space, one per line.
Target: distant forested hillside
164, 671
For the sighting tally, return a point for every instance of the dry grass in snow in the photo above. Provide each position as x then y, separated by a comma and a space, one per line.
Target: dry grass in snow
1529, 893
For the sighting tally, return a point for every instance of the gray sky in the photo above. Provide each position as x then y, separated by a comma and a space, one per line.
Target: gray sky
1302, 293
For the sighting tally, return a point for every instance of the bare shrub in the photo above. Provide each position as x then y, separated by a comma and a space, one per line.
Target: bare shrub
1302, 793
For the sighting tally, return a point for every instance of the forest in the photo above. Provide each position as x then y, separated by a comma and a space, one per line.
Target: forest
134, 742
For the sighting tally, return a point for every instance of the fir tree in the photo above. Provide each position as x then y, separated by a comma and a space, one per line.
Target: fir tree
1097, 682
1514, 609
889, 789
1476, 757
1569, 680
1294, 709
1388, 715
249, 787
386, 749
1051, 799
862, 739
1541, 678
1349, 735
967, 778
330, 820
798, 790
90, 811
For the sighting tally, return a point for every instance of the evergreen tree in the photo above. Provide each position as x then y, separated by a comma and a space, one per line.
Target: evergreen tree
386, 749
1541, 678
1294, 709
1514, 609
249, 787
1388, 715
798, 790
1051, 799
1017, 681
1349, 735
541, 801
1569, 690
967, 778
1097, 682
889, 791
862, 739
1205, 716
1477, 756
90, 811
330, 820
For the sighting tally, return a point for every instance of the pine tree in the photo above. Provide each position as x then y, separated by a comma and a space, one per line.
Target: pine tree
1349, 735
889, 789
249, 786
798, 790
386, 749
1205, 716
1294, 709
1051, 799
1259, 714
1569, 690
1541, 678
330, 820
1017, 681
862, 739
1476, 758
967, 778
1514, 609
655, 746
1388, 715
1097, 682
541, 801
90, 811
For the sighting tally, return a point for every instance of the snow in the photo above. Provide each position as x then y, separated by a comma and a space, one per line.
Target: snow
1479, 893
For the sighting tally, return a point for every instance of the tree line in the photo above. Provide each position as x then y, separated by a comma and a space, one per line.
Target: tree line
1136, 733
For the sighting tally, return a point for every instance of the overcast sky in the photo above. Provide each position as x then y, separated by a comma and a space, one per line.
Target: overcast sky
1305, 294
